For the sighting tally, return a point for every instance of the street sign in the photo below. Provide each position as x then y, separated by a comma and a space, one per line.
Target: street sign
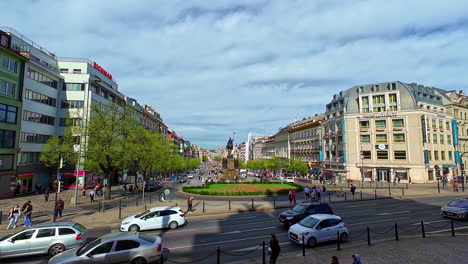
59, 176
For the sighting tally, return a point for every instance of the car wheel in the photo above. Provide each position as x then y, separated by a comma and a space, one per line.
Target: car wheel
344, 237
134, 228
56, 249
312, 242
139, 260
173, 225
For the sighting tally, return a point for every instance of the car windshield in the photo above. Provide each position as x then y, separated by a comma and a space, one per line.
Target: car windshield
300, 208
84, 249
147, 238
459, 203
142, 214
79, 227
309, 222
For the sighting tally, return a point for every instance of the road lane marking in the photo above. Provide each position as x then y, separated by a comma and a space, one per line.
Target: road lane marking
378, 221
219, 227
392, 213
361, 211
247, 217
225, 241
248, 230
445, 230
363, 205
430, 222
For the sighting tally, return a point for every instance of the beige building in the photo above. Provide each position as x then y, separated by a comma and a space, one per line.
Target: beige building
282, 143
387, 130
458, 108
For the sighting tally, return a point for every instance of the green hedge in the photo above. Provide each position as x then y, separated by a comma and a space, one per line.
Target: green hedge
206, 191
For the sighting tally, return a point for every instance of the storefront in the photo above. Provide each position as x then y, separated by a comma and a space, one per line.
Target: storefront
383, 174
24, 183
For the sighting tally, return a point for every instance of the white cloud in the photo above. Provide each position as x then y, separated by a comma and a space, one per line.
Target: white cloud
214, 67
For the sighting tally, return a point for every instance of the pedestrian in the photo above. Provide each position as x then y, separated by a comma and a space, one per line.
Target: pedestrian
334, 260
399, 180
410, 180
394, 181
319, 193
293, 195
290, 196
46, 195
27, 211
189, 204
125, 189
324, 191
59, 205
356, 259
444, 182
91, 195
307, 193
14, 214
455, 185
130, 188
353, 189
84, 192
313, 193
274, 249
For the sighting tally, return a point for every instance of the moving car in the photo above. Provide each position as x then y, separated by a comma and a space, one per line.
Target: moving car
456, 209
289, 179
152, 186
317, 229
135, 248
157, 217
183, 178
48, 238
302, 210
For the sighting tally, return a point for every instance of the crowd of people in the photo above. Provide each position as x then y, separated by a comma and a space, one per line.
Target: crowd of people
316, 193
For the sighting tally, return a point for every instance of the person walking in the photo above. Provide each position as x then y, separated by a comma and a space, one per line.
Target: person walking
455, 185
46, 195
307, 193
293, 195
59, 205
27, 211
290, 196
319, 193
334, 260
444, 182
274, 249
356, 259
394, 181
353, 189
91, 196
324, 191
189, 204
83, 192
14, 214
313, 193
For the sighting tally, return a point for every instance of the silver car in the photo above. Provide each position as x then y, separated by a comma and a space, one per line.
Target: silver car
49, 238
135, 248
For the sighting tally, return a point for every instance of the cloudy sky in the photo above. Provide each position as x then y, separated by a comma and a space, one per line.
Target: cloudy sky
212, 67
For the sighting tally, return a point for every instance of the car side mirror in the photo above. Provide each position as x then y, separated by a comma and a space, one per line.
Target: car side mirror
89, 255
318, 227
11, 241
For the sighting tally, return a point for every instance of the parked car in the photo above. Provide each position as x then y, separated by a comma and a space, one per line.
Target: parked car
456, 209
48, 238
135, 248
157, 217
318, 228
190, 176
152, 186
289, 179
301, 210
183, 178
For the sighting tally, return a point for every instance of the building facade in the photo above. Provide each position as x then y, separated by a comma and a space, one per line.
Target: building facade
389, 130
11, 84
458, 108
282, 146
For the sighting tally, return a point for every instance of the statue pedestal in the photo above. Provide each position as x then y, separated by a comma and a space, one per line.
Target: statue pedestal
230, 173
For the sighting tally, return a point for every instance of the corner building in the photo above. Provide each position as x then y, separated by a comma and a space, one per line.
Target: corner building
390, 130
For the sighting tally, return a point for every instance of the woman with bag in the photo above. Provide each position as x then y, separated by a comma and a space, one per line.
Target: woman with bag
274, 249
14, 215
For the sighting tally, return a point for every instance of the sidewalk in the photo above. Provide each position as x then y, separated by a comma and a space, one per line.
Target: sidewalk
434, 249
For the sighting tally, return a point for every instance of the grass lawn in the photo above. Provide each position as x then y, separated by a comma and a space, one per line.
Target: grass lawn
242, 189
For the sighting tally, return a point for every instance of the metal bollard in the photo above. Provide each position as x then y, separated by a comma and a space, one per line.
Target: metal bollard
120, 209
396, 231
338, 240
375, 194
453, 229
99, 206
274, 201
203, 206
103, 206
263, 253
229, 205
329, 197
368, 236
407, 186
218, 256
389, 191
345, 196
252, 204
150, 198
136, 201
422, 229
1, 216
402, 192
145, 207
361, 195
303, 246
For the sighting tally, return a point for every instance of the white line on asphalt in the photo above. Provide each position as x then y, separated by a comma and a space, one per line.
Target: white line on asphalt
361, 211
445, 230
238, 231
232, 219
363, 205
225, 241
377, 221
224, 226
445, 220
392, 213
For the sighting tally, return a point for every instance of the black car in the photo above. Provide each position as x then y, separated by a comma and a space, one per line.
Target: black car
152, 186
300, 211
456, 209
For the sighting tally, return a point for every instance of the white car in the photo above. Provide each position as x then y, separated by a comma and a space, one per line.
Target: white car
190, 176
289, 179
157, 217
318, 228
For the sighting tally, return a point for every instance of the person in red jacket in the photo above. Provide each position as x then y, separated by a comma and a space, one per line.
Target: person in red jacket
293, 194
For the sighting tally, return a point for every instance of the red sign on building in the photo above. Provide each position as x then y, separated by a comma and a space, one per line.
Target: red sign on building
101, 70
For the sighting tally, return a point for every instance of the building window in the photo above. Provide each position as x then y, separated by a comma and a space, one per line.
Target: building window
70, 121
434, 138
364, 124
10, 64
8, 114
398, 123
30, 157
429, 154
392, 98
442, 155
399, 138
441, 126
381, 138
449, 139
450, 155
7, 138
6, 160
434, 123
63, 70
393, 86
436, 155
382, 154
376, 88
76, 70
38, 118
340, 140
441, 139
365, 154
34, 138
399, 154
380, 124
39, 77
40, 98
379, 103
361, 89
7, 88
72, 104
73, 87
447, 125
365, 138
365, 104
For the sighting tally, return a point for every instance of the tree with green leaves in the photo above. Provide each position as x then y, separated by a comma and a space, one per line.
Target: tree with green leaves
204, 158
57, 148
218, 158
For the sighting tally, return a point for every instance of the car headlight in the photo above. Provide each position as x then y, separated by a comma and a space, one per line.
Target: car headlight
305, 233
289, 217
125, 223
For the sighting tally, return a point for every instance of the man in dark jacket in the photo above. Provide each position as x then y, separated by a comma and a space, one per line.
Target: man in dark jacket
274, 249
59, 205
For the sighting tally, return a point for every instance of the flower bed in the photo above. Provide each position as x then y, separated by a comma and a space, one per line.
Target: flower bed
239, 189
